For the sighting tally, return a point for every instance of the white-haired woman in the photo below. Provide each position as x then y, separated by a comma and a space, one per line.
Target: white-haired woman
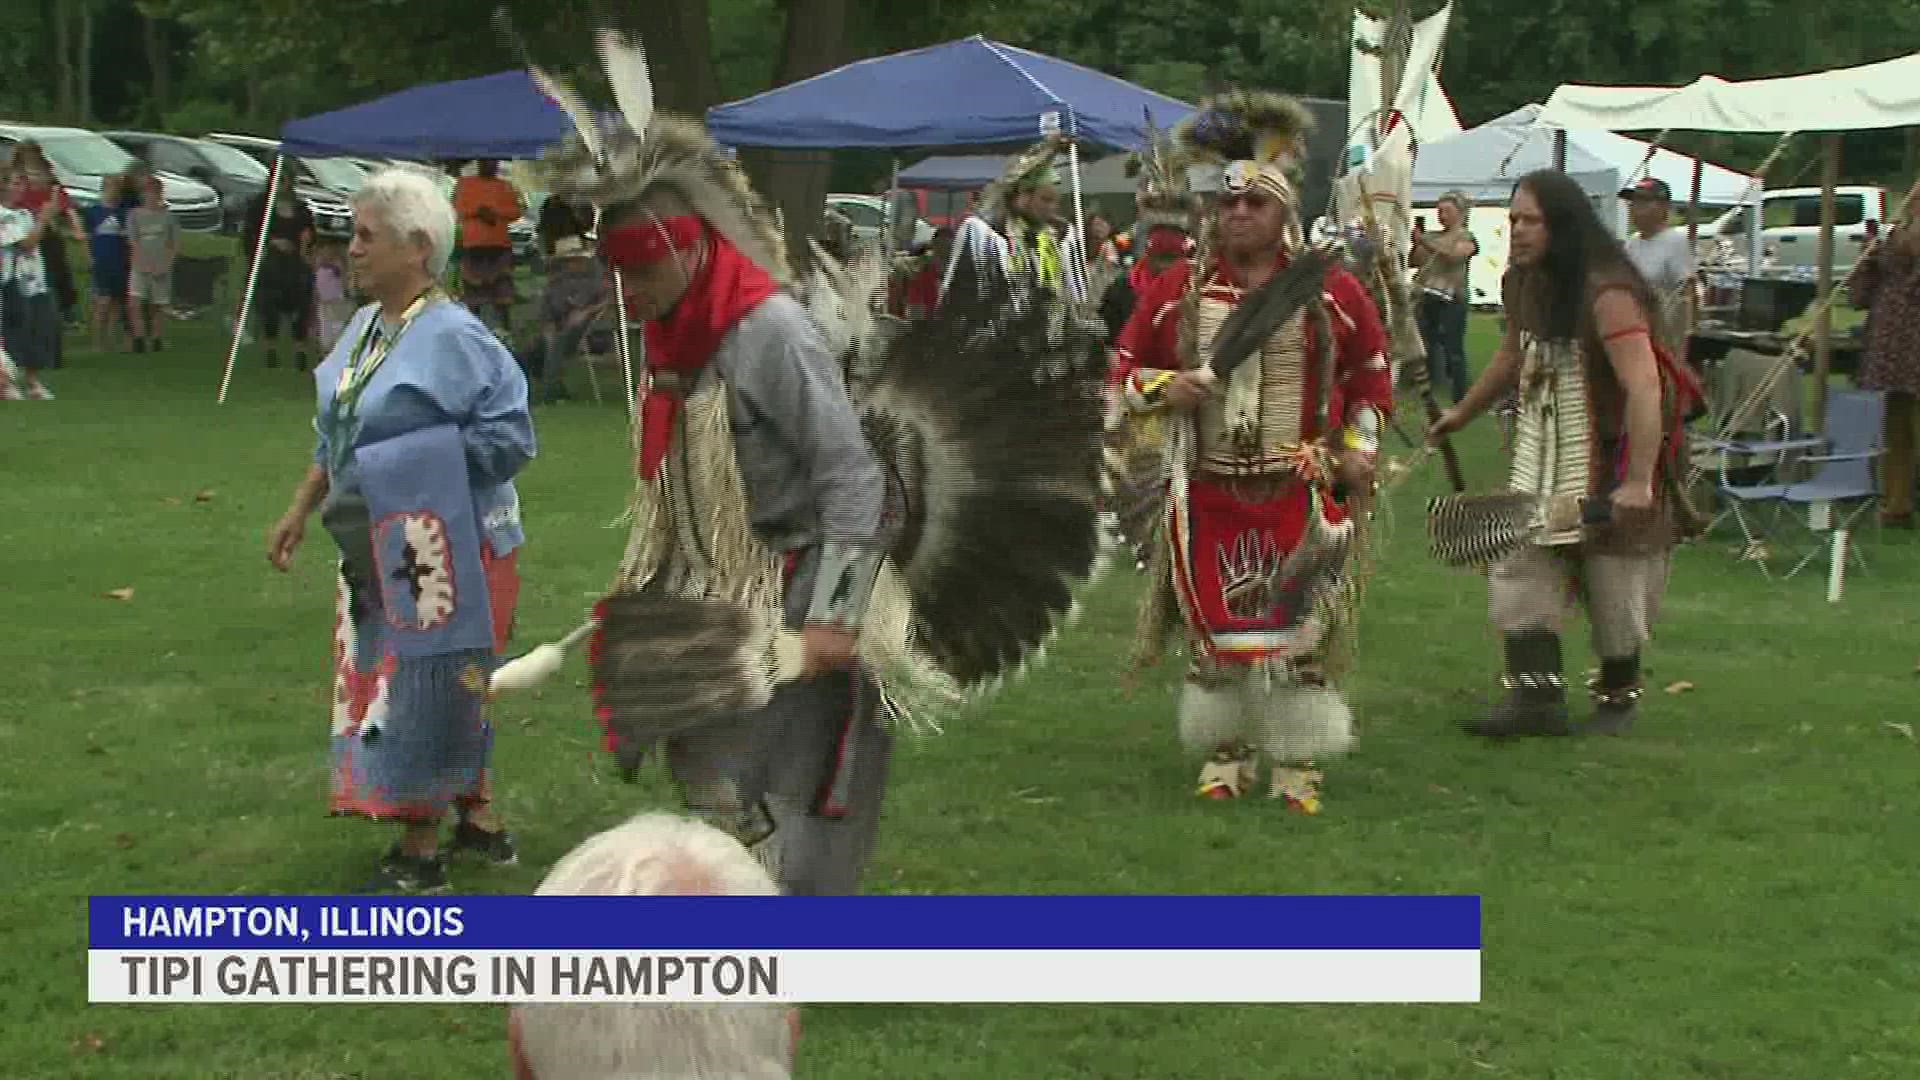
422, 424
655, 855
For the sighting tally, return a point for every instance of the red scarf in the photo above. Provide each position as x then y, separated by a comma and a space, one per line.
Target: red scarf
1161, 240
724, 288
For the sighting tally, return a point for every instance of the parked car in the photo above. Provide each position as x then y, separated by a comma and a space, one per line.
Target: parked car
1790, 229
868, 213
324, 184
236, 177
336, 174
82, 161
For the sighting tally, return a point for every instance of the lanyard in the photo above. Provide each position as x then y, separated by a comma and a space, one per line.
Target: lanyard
369, 353
373, 349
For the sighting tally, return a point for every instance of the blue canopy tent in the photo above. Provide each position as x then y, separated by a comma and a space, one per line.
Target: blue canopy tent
953, 172
971, 92
493, 116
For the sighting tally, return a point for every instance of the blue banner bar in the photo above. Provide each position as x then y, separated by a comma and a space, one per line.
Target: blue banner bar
740, 922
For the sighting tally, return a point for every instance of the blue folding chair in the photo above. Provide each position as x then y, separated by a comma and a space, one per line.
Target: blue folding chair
1847, 476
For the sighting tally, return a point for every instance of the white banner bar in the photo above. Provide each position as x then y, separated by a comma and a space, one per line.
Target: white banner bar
854, 976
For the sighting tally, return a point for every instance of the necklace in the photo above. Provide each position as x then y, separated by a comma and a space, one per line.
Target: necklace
374, 347
369, 353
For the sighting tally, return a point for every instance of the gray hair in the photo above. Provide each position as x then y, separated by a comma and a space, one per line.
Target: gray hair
657, 855
411, 205
1457, 198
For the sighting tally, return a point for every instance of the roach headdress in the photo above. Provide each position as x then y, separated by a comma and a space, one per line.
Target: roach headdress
1246, 139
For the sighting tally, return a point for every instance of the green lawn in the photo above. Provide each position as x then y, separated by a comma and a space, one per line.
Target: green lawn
1725, 894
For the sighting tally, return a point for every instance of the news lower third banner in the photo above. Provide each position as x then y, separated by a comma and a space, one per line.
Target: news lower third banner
862, 949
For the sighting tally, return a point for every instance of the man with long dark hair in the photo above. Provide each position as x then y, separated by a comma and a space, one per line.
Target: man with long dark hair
1600, 413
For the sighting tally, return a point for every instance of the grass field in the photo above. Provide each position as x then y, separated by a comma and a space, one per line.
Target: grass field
1725, 894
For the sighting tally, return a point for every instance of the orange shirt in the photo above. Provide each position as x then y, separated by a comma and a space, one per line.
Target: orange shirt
476, 193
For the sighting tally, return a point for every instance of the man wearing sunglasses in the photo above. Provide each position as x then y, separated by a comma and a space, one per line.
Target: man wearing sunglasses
1273, 416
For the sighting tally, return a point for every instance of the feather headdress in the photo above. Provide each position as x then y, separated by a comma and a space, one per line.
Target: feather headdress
1164, 196
650, 154
1254, 138
1037, 165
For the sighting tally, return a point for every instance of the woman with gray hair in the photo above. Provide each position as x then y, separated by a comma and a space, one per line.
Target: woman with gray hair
655, 855
423, 424
1442, 258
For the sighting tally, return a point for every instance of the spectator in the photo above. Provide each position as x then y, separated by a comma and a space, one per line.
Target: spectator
1887, 284
29, 316
43, 188
920, 289
578, 290
1442, 259
332, 303
285, 289
487, 205
655, 855
155, 241
106, 223
1662, 255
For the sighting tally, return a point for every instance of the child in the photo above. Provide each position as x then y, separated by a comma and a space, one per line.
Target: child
106, 224
331, 303
155, 238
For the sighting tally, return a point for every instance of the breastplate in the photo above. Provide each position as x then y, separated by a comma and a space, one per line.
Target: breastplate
1553, 440
1254, 417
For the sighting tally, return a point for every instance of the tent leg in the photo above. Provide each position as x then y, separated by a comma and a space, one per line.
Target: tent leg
253, 277
1823, 320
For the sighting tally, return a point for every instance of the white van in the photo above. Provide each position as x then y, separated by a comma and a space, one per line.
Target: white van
1790, 229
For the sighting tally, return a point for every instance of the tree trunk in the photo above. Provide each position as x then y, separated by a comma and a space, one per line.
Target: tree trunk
159, 68
63, 81
680, 55
795, 181
84, 66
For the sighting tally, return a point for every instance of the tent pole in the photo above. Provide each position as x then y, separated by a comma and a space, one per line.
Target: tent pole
893, 235
1559, 149
1823, 319
1078, 281
1693, 245
253, 277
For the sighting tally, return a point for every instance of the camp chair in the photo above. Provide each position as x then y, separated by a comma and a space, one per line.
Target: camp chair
1749, 461
1847, 477
198, 284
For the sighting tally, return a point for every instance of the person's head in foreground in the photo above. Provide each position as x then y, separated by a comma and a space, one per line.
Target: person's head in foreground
655, 855
402, 236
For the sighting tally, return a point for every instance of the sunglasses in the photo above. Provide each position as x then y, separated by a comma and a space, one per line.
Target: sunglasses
1253, 200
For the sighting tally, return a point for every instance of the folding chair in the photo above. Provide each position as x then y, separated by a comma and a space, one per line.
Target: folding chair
198, 284
1855, 435
1749, 461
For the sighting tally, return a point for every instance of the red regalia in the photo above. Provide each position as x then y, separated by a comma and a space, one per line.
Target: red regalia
1254, 554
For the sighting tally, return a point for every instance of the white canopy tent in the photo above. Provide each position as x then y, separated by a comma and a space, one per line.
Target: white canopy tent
1868, 97
1484, 163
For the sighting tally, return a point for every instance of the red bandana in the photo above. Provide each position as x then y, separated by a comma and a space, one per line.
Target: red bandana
725, 286
1161, 240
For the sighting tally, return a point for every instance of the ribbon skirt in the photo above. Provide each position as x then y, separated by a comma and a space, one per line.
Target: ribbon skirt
412, 735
